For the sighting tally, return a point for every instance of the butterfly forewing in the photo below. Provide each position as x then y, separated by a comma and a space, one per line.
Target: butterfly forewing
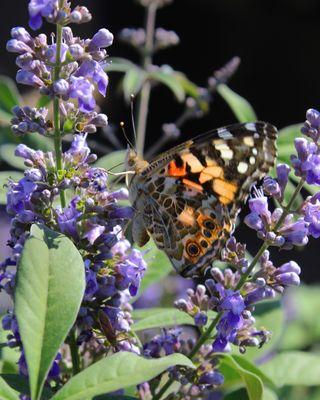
188, 199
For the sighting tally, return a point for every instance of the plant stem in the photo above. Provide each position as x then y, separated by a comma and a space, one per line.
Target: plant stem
74, 352
146, 88
206, 334
265, 245
56, 111
202, 339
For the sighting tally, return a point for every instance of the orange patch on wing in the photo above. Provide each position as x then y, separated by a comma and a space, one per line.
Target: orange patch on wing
174, 170
187, 216
225, 190
192, 185
193, 162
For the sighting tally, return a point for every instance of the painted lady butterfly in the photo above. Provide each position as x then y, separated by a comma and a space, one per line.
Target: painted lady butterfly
188, 198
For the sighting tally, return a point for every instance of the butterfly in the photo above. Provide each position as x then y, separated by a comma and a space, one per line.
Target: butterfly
188, 198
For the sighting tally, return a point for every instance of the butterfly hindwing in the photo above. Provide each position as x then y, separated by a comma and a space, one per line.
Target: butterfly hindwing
188, 198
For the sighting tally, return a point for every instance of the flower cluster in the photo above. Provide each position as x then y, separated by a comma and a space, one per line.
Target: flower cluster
196, 384
82, 66
93, 218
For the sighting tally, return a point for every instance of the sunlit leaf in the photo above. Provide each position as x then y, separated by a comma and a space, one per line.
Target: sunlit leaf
294, 368
4, 177
119, 371
132, 82
7, 154
48, 293
168, 78
241, 108
252, 382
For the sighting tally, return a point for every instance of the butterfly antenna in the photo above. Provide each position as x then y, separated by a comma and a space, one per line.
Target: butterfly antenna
132, 118
125, 135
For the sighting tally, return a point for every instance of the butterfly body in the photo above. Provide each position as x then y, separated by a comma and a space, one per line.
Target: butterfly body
188, 198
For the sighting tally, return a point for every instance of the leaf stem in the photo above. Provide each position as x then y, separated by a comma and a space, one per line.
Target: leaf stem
206, 334
74, 352
146, 88
56, 111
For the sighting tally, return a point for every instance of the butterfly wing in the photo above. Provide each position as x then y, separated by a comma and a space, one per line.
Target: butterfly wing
188, 198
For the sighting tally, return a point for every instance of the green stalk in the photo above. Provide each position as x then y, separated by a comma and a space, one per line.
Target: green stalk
146, 88
207, 333
56, 111
74, 352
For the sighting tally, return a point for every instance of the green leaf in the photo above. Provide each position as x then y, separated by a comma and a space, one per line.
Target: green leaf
294, 368
269, 394
132, 82
241, 108
159, 266
4, 177
160, 318
252, 382
116, 372
150, 318
20, 384
49, 289
167, 77
118, 64
7, 155
9, 94
285, 142
6, 392
249, 366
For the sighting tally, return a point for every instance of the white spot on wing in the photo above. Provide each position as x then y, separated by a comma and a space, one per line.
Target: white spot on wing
242, 167
224, 134
248, 140
252, 160
254, 151
251, 127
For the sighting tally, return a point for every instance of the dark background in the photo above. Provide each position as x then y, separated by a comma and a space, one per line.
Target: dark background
278, 42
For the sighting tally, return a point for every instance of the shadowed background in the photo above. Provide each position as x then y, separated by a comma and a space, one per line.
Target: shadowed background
277, 42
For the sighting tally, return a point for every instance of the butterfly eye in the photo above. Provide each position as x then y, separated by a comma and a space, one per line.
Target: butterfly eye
209, 224
193, 249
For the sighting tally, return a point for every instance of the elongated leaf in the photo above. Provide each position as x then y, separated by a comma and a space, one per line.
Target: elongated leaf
6, 392
294, 368
9, 94
111, 160
168, 78
241, 108
251, 381
285, 142
160, 318
116, 372
132, 82
49, 289
7, 155
44, 101
118, 64
20, 384
249, 366
150, 318
159, 266
269, 394
4, 177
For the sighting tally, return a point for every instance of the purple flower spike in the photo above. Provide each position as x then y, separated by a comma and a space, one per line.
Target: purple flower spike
283, 171
312, 216
28, 78
92, 69
39, 9
82, 90
103, 38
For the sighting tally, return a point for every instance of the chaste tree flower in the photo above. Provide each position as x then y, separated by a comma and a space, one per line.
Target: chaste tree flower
93, 218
